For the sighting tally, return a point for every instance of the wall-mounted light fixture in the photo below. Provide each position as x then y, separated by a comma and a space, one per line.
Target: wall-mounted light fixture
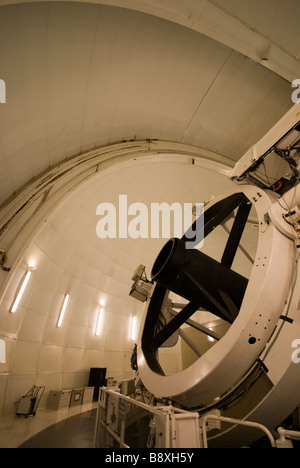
99, 321
2, 352
133, 328
62, 311
22, 289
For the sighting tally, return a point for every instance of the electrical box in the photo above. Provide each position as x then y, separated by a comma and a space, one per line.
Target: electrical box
59, 399
88, 395
127, 387
76, 396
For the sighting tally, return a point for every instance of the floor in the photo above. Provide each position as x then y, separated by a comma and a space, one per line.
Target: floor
66, 428
71, 427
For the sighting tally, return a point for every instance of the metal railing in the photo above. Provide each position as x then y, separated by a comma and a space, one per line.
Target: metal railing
168, 416
169, 421
285, 435
239, 422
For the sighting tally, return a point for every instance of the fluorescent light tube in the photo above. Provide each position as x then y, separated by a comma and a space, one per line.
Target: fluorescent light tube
21, 292
133, 328
99, 321
63, 310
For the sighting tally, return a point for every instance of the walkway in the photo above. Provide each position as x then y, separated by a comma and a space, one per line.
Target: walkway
69, 427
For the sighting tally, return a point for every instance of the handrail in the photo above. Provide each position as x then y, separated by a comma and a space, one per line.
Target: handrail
151, 409
237, 422
170, 413
287, 434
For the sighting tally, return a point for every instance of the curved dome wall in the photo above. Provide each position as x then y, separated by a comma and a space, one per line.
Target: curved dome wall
80, 76
70, 258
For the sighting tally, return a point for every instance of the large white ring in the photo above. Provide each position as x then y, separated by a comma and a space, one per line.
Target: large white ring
220, 368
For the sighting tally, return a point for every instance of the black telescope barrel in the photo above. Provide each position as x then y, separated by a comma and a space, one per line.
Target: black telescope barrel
200, 279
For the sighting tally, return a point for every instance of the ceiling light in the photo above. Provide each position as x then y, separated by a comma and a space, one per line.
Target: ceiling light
63, 310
